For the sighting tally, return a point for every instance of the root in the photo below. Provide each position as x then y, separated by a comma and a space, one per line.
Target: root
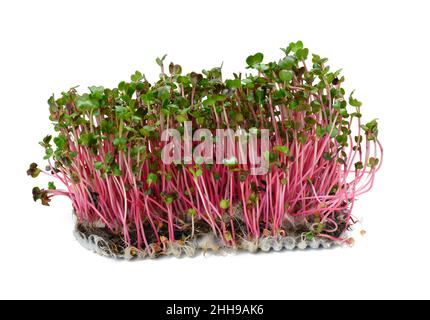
106, 245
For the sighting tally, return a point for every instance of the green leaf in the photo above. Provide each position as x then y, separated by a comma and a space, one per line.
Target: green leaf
371, 129
33, 170
239, 117
342, 139
169, 200
301, 137
333, 131
36, 193
209, 102
137, 76
88, 140
295, 46
53, 107
85, 102
279, 94
316, 106
286, 75
271, 156
97, 92
146, 130
262, 67
287, 63
117, 171
164, 92
177, 69
344, 113
228, 236
354, 102
327, 156
181, 118
372, 125
224, 204
195, 78
46, 141
98, 165
310, 121
373, 162
233, 84
320, 131
42, 195
282, 149
192, 212
196, 173
49, 152
122, 86
119, 141
152, 178
359, 165
60, 142
302, 54
309, 235
258, 57
255, 59
51, 186
160, 60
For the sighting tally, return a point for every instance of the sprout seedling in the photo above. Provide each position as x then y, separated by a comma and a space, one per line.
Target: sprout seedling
107, 157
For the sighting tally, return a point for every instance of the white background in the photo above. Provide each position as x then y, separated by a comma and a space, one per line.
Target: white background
383, 48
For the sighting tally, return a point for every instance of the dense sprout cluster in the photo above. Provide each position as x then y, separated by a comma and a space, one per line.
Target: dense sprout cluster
108, 146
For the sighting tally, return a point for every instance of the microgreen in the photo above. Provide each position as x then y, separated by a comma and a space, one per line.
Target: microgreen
106, 153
